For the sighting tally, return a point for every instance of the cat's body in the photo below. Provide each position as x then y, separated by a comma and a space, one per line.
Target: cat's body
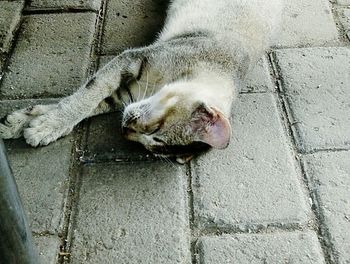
181, 87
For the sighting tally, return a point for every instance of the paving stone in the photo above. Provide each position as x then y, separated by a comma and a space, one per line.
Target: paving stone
344, 15
316, 83
253, 183
10, 14
330, 181
132, 213
307, 22
41, 175
259, 79
51, 57
131, 24
64, 4
342, 2
48, 248
278, 248
105, 141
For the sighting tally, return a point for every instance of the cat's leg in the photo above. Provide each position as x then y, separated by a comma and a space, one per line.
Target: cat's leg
86, 102
16, 122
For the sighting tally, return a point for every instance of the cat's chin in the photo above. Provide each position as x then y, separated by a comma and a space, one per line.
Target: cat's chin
184, 159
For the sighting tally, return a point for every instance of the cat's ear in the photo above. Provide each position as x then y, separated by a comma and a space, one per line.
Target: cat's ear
211, 126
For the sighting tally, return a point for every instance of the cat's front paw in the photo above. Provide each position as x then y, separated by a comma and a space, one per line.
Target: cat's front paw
14, 125
46, 129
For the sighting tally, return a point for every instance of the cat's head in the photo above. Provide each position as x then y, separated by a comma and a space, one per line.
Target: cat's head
175, 123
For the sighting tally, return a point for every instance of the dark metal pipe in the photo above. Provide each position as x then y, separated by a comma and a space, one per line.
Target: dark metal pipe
16, 242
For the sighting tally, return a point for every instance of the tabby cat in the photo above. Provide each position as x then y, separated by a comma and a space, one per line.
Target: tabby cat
177, 93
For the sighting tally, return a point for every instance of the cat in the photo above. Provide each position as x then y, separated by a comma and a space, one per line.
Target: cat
194, 67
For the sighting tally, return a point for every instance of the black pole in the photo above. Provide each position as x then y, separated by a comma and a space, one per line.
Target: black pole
16, 242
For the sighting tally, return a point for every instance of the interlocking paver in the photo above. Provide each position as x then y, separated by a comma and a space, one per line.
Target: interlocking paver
316, 82
105, 141
278, 248
259, 79
64, 4
132, 213
42, 175
253, 183
10, 13
51, 57
307, 22
330, 181
47, 247
130, 25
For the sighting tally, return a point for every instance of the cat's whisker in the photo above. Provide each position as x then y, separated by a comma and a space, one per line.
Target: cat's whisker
153, 90
139, 93
144, 94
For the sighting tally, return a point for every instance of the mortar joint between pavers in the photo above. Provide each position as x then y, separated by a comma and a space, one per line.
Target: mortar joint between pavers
101, 25
195, 251
322, 230
252, 228
293, 135
48, 11
344, 37
70, 206
191, 215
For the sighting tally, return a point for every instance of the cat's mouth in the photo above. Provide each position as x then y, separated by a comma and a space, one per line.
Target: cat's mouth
182, 153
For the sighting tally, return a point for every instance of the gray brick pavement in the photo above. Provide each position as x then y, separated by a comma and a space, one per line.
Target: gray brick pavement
330, 181
316, 83
307, 23
42, 178
129, 25
52, 56
249, 186
10, 14
142, 210
278, 248
132, 213
48, 248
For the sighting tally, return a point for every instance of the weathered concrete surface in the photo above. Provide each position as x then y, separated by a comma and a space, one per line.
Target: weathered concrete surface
131, 25
307, 22
51, 57
10, 14
132, 213
41, 175
277, 248
48, 248
105, 141
316, 84
341, 2
253, 183
344, 16
329, 176
64, 4
259, 79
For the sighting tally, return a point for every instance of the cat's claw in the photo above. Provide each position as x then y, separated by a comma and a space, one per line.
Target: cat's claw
45, 129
